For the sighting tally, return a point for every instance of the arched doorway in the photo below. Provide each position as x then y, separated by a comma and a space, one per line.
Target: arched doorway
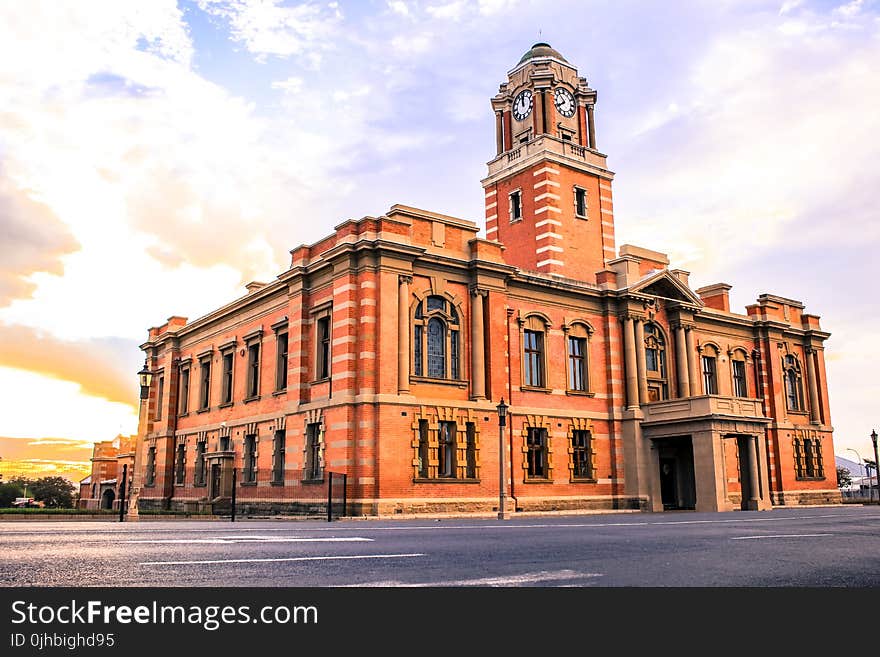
107, 498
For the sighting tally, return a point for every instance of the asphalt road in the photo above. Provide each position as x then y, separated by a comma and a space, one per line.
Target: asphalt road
820, 546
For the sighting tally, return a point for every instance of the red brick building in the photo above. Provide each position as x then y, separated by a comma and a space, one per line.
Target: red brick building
101, 489
384, 349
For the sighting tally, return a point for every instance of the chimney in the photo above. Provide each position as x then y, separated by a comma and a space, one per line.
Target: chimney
716, 296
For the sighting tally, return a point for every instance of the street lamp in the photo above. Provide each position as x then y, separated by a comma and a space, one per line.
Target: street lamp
502, 421
876, 465
146, 377
850, 449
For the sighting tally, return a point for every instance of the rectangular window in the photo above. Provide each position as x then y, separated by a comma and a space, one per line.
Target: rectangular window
710, 382
739, 378
183, 398
180, 470
225, 443
313, 452
323, 369
281, 361
160, 396
278, 457
228, 361
249, 475
150, 476
471, 470
446, 450
204, 391
423, 448
199, 476
515, 206
253, 377
809, 466
453, 351
536, 442
577, 364
581, 467
533, 355
580, 202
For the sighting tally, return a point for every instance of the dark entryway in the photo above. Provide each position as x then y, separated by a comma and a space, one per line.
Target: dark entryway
677, 487
215, 480
107, 498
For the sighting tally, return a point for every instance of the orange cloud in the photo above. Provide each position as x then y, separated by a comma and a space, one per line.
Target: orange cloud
34, 240
103, 367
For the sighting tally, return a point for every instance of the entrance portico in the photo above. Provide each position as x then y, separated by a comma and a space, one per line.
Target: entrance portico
687, 467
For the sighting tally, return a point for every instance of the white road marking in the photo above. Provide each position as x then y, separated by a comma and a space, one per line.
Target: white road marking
250, 539
748, 538
509, 580
273, 560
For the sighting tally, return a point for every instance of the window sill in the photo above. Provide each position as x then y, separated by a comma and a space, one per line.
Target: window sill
253, 398
317, 382
276, 483
180, 483
184, 414
149, 485
204, 410
581, 216
247, 483
226, 404
582, 480
580, 393
791, 412
535, 389
312, 482
812, 478
445, 480
283, 391
458, 383
202, 485
537, 480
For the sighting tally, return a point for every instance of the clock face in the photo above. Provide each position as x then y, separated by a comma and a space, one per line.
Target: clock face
522, 105
564, 102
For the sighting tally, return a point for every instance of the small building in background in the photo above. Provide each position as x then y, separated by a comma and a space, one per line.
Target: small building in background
101, 489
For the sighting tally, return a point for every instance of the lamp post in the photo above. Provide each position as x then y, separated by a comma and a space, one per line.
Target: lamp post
850, 449
502, 421
146, 377
876, 464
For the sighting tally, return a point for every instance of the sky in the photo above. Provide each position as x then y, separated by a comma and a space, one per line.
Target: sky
156, 156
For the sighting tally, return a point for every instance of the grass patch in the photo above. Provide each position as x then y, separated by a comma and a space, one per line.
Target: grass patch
65, 512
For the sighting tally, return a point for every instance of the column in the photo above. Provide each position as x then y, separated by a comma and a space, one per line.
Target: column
499, 133
641, 368
403, 334
754, 484
812, 384
538, 118
629, 363
478, 346
582, 125
591, 126
508, 131
692, 361
684, 386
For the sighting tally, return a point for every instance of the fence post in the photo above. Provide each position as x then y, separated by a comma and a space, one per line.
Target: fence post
234, 474
344, 494
329, 497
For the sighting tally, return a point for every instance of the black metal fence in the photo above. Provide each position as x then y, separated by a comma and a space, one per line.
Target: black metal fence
318, 497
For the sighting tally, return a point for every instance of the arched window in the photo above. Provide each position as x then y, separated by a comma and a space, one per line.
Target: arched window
578, 357
655, 363
709, 365
436, 349
794, 387
738, 359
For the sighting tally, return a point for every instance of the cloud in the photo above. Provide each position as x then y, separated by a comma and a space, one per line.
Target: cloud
34, 240
266, 27
102, 367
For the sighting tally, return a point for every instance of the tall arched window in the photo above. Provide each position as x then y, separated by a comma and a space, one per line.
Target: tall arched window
655, 363
794, 387
436, 350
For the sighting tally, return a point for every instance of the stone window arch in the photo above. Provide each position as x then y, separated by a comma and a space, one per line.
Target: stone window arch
436, 322
739, 380
655, 362
533, 331
577, 342
709, 367
793, 383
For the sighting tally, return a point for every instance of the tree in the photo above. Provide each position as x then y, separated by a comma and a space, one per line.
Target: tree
54, 492
9, 490
844, 479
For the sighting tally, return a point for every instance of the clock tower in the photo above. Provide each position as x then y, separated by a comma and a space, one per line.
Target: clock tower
548, 192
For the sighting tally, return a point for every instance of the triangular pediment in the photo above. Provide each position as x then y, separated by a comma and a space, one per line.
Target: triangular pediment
665, 285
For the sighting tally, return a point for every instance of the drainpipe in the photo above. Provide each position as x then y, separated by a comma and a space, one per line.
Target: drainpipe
510, 423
